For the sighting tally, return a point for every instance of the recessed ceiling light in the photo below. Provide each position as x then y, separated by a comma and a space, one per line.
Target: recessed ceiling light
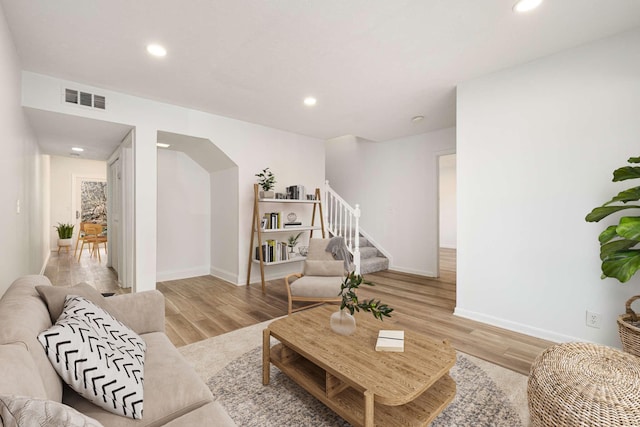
156, 50
310, 101
163, 145
416, 119
526, 5
78, 149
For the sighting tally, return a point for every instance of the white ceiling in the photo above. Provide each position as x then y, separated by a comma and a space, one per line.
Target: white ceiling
372, 64
57, 133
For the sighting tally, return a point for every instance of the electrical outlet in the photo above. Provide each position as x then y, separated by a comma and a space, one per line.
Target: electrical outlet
593, 319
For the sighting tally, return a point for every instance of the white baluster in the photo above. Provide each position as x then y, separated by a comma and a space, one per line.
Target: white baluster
356, 251
351, 232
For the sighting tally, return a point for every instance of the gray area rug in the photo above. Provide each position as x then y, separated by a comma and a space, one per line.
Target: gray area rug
238, 388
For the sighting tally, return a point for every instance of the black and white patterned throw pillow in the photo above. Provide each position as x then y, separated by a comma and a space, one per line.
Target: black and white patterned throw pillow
97, 356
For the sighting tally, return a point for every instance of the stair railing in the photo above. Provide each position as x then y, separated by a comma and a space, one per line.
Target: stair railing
343, 220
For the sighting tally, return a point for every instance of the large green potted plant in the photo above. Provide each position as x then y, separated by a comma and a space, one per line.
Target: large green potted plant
618, 252
343, 321
618, 248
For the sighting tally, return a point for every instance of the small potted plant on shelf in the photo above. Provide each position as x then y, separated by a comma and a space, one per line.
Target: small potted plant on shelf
266, 181
292, 241
65, 234
343, 321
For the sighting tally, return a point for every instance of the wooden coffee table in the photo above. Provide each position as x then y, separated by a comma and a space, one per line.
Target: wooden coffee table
363, 386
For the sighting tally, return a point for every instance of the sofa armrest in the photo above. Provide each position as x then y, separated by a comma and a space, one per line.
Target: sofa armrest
143, 311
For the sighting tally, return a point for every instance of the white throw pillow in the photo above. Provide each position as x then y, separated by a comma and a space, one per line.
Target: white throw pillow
97, 356
22, 411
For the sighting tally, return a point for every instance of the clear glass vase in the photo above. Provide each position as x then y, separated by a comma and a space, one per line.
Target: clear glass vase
343, 323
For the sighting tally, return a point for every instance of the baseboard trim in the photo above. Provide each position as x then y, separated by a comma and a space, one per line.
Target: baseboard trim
275, 272
163, 276
412, 271
225, 275
515, 326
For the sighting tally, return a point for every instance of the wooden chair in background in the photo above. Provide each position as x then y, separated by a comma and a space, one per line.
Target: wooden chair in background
93, 237
321, 280
80, 237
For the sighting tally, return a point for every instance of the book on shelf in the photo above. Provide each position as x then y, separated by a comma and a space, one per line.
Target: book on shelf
272, 220
390, 340
292, 224
296, 192
272, 251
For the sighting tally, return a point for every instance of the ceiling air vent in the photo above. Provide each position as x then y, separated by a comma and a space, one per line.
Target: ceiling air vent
99, 102
71, 96
85, 99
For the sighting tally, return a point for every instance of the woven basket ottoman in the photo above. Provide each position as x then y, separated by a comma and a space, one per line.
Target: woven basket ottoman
581, 384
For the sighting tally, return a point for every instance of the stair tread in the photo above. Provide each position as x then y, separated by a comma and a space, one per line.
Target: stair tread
373, 260
371, 265
370, 258
368, 252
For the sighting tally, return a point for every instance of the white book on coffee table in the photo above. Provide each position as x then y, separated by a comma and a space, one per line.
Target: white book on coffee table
389, 340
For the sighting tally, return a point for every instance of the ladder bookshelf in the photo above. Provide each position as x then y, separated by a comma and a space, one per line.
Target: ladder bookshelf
258, 233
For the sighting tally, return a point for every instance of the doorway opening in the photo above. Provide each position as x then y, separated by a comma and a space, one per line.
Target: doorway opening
197, 211
447, 244
89, 203
93, 201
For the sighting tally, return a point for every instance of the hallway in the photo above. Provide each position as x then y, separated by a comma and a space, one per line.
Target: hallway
65, 270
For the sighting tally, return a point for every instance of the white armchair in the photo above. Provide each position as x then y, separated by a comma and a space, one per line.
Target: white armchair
320, 280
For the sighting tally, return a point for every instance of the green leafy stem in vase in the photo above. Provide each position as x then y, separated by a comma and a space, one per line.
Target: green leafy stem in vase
350, 299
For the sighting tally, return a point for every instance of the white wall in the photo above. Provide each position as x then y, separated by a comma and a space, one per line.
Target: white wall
122, 206
23, 247
447, 191
224, 224
396, 185
537, 145
295, 159
62, 173
184, 217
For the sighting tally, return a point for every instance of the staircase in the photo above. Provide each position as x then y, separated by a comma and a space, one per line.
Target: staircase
343, 220
371, 259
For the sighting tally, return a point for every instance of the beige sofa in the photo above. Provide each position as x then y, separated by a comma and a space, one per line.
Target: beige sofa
174, 395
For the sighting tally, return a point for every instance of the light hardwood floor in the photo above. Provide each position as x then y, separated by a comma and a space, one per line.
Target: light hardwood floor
64, 269
203, 307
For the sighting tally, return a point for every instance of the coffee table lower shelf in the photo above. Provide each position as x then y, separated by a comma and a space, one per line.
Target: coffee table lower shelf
349, 403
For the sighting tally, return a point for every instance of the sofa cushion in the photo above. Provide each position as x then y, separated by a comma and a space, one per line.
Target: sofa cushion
22, 411
172, 388
18, 372
211, 414
141, 311
23, 315
97, 356
54, 297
